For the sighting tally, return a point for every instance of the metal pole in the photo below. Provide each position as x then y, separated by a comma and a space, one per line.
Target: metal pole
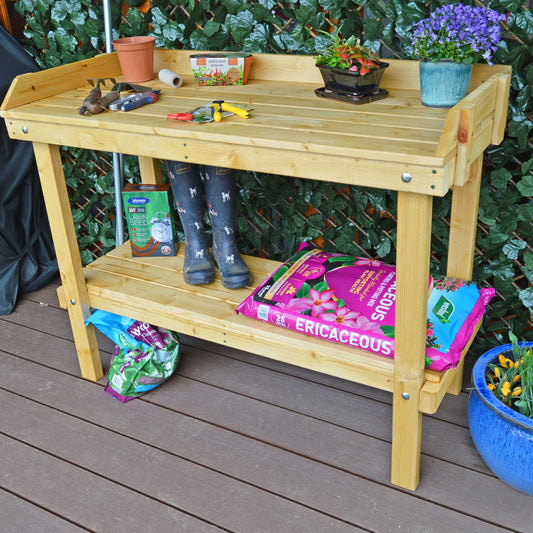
107, 27
118, 160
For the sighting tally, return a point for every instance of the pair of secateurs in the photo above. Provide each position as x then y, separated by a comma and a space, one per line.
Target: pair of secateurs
133, 101
219, 106
214, 111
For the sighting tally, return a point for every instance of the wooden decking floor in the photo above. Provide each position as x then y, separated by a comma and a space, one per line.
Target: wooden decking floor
232, 442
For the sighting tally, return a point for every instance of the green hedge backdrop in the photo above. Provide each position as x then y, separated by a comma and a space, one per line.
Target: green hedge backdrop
276, 213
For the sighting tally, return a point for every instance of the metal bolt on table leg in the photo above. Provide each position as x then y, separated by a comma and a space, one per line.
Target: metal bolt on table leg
406, 177
405, 396
72, 301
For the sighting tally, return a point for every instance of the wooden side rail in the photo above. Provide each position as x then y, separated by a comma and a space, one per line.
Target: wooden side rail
474, 123
34, 86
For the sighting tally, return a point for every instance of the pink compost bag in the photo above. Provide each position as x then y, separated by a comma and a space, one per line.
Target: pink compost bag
351, 300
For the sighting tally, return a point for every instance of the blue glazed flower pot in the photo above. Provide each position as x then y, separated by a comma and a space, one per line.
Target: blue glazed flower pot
444, 83
503, 437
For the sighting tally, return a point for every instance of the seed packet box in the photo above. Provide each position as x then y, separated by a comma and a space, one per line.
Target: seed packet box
221, 68
150, 218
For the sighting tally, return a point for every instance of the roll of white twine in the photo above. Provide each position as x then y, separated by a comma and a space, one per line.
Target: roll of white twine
170, 78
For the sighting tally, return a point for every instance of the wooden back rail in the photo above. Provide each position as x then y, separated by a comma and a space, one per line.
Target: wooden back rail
394, 144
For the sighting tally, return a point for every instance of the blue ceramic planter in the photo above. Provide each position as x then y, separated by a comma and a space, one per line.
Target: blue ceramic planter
444, 83
503, 437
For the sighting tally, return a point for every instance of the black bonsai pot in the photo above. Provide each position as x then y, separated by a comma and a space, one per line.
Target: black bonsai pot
352, 83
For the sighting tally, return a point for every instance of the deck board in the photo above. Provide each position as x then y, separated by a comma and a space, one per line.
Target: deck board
18, 515
232, 442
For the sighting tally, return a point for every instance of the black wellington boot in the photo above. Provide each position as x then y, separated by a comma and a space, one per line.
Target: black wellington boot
186, 184
220, 194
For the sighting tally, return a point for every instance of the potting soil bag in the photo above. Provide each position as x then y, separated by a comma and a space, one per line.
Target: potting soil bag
144, 356
351, 300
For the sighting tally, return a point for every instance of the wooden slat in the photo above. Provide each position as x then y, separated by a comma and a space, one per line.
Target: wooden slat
270, 126
465, 204
267, 132
352, 170
500, 111
465, 132
480, 104
340, 119
400, 102
432, 393
28, 88
294, 68
235, 330
150, 170
352, 137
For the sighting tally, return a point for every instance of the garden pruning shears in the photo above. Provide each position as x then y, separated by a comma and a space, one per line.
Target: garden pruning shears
214, 111
133, 101
218, 106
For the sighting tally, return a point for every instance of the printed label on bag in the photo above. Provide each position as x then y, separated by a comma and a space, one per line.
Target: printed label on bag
117, 381
443, 309
262, 312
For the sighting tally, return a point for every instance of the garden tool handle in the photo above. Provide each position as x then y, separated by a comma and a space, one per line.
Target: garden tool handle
133, 101
138, 102
220, 105
215, 106
239, 111
180, 116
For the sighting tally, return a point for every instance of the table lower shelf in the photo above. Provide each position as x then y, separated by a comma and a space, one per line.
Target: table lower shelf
152, 290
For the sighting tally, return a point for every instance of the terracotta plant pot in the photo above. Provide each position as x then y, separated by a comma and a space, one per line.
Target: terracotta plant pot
136, 57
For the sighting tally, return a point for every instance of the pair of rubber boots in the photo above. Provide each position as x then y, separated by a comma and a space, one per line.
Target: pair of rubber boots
219, 185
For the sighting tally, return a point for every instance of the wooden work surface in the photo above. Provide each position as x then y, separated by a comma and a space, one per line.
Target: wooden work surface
395, 144
291, 131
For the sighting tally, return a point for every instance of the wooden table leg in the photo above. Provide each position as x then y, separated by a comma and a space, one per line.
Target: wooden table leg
463, 224
412, 263
150, 170
462, 245
68, 257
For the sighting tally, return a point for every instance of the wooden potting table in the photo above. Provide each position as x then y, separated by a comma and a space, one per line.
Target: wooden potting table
394, 144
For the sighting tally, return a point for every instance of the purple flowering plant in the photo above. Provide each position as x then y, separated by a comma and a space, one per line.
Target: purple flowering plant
462, 33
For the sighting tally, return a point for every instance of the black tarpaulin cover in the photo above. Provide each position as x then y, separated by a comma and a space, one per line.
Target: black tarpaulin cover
27, 258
